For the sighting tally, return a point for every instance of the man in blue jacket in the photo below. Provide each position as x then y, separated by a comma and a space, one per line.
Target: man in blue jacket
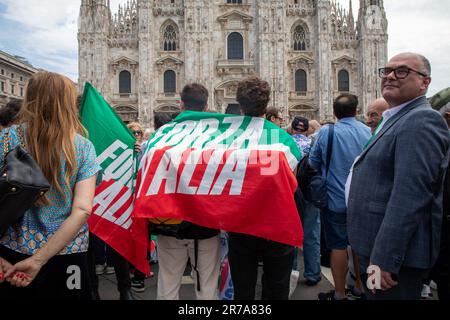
395, 195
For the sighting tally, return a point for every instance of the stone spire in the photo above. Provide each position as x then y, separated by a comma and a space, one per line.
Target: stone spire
372, 38
351, 20
343, 23
124, 25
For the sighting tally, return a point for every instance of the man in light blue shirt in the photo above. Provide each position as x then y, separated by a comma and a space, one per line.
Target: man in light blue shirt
349, 138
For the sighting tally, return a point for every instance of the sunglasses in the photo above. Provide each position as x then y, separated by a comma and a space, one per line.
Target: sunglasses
138, 132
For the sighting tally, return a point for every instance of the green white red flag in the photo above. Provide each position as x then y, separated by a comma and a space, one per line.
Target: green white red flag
111, 220
225, 172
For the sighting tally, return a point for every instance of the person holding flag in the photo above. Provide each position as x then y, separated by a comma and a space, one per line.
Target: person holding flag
253, 95
177, 243
111, 220
138, 280
215, 170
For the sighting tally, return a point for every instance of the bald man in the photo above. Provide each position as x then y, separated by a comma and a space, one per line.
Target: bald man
375, 112
314, 127
395, 197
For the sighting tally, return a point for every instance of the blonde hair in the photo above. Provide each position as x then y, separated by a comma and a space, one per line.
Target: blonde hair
135, 124
51, 114
315, 125
140, 128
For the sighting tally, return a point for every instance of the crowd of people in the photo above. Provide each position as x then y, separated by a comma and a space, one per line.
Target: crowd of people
387, 192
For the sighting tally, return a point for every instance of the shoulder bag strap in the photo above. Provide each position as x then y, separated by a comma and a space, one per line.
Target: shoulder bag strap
313, 141
20, 135
5, 145
7, 141
330, 147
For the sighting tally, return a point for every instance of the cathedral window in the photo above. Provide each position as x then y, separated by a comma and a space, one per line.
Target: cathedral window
235, 1
170, 85
301, 84
125, 82
299, 39
235, 46
170, 38
343, 81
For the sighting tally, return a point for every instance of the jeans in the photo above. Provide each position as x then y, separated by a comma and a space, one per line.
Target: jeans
121, 266
103, 253
311, 242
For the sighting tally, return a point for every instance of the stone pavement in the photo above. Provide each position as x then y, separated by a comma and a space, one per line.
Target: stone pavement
108, 287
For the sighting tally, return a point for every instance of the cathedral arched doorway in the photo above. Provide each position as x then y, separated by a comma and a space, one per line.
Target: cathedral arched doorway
233, 108
127, 113
165, 112
225, 95
306, 111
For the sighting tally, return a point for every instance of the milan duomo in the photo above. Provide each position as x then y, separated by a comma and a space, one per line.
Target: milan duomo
309, 51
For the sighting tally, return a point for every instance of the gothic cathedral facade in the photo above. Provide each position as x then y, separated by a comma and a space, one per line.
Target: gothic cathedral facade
309, 51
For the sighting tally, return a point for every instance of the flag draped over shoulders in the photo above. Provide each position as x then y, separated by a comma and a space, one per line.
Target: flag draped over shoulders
111, 220
226, 172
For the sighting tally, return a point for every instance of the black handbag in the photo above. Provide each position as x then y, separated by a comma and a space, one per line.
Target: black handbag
22, 183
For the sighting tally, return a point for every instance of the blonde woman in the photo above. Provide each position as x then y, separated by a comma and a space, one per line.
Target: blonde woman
44, 255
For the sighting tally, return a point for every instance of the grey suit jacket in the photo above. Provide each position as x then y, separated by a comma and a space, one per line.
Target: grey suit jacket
395, 202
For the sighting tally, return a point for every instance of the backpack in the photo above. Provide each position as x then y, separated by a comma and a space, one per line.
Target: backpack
312, 186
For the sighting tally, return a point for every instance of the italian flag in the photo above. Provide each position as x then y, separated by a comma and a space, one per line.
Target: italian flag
111, 220
226, 172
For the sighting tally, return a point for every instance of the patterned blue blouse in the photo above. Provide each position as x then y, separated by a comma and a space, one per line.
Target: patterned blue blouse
303, 143
40, 223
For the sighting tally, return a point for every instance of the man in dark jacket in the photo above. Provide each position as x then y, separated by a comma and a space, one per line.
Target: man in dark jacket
395, 195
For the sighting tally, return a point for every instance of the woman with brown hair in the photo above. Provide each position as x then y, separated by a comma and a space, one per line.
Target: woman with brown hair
44, 254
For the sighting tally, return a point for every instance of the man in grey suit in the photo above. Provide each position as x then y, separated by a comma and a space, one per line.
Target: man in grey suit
395, 192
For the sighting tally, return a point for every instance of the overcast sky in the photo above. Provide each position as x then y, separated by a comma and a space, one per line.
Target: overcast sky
45, 32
